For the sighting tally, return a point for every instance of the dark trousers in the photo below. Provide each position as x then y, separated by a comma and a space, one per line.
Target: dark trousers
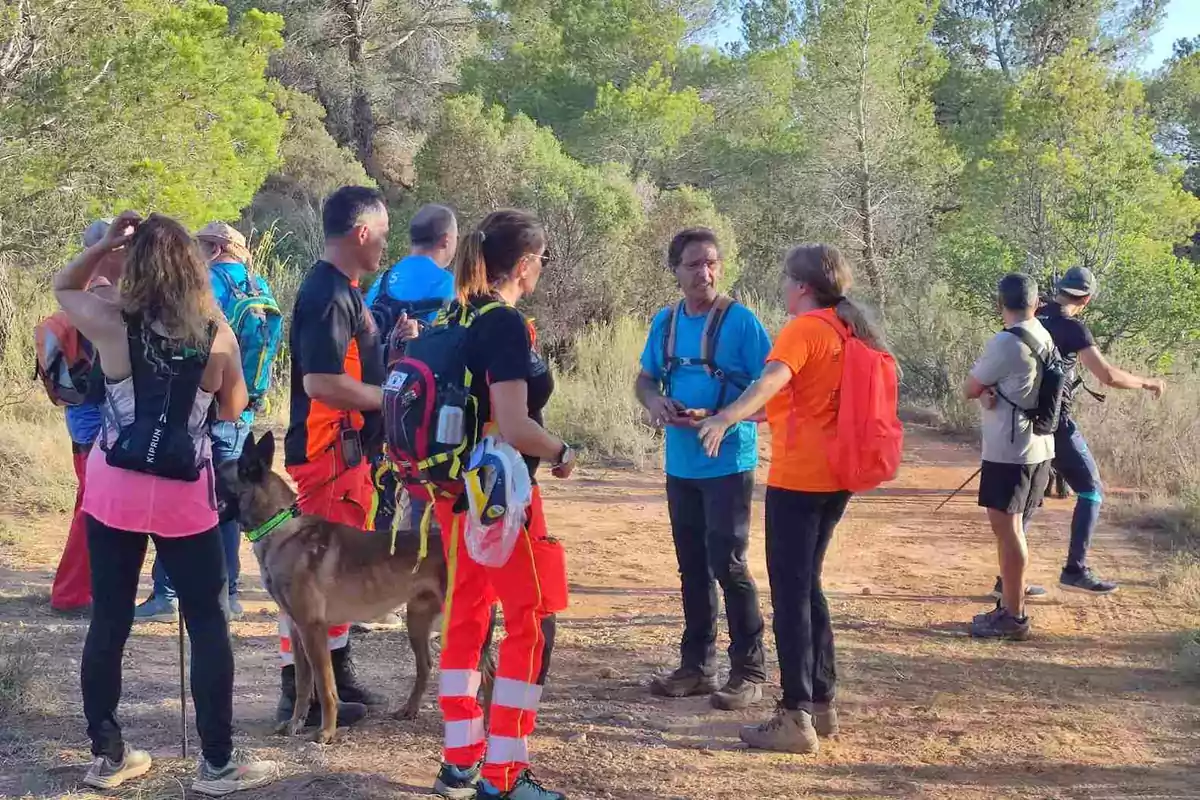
710, 522
196, 566
799, 528
1075, 463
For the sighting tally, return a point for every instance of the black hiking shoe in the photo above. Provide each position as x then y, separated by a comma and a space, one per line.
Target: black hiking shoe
348, 688
1085, 582
348, 713
1032, 590
1000, 624
738, 693
457, 783
683, 682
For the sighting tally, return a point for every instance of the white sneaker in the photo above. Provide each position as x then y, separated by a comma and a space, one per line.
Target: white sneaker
104, 774
241, 773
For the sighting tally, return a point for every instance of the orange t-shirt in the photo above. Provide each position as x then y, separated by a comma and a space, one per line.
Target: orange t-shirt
804, 413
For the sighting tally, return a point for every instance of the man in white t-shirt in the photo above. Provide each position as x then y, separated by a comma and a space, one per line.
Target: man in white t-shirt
1016, 461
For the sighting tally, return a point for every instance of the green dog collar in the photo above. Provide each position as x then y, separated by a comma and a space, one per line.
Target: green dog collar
268, 527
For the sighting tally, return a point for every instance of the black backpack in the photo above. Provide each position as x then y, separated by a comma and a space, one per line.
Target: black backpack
386, 310
708, 350
166, 379
1051, 386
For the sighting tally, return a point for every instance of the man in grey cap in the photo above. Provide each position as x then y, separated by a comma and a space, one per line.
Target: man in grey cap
1072, 459
72, 589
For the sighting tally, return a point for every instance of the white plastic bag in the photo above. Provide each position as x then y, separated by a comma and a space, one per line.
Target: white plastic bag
499, 491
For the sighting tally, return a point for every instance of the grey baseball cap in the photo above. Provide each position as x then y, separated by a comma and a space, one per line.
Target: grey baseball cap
1077, 282
95, 232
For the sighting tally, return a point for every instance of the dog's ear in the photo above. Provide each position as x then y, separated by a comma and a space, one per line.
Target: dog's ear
249, 467
266, 451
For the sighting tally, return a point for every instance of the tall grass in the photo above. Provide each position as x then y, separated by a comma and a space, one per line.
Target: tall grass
594, 403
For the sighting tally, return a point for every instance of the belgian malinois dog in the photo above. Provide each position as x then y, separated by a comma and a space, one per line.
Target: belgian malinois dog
322, 573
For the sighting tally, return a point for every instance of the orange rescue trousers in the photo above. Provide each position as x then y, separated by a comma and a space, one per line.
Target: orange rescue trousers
531, 588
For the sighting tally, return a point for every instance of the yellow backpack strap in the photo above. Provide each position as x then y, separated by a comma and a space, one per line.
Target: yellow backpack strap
426, 520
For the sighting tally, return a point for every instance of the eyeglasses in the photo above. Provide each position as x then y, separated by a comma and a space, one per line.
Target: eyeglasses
696, 266
545, 257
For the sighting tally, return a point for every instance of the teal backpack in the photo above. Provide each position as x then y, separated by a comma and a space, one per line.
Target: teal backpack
257, 323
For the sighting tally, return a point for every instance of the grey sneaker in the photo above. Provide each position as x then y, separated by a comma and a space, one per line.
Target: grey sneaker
1085, 582
683, 682
156, 609
825, 720
1032, 590
241, 773
104, 774
786, 732
526, 788
235, 607
1000, 624
737, 694
457, 783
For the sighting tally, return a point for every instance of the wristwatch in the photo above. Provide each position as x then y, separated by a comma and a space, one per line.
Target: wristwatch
565, 456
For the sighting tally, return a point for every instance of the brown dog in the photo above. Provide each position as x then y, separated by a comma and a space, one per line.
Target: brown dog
322, 573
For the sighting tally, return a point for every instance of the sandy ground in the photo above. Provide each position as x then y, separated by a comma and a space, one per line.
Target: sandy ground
1090, 708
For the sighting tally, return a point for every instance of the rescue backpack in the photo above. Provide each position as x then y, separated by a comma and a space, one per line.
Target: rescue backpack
257, 322
865, 448
1052, 386
66, 363
430, 418
708, 350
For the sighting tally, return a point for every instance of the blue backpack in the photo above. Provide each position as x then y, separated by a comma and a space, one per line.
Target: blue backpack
257, 323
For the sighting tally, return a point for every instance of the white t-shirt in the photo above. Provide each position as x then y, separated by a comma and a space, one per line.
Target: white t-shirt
1009, 366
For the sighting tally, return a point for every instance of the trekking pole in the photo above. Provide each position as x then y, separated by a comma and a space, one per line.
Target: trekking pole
182, 693
959, 489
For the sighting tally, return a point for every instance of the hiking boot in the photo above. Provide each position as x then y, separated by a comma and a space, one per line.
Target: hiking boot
825, 720
683, 682
786, 732
738, 693
388, 622
241, 773
106, 774
457, 783
1085, 582
346, 677
348, 713
235, 607
156, 609
1000, 624
526, 788
1032, 590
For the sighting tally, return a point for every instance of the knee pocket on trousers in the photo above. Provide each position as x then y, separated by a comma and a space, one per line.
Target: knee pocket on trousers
550, 560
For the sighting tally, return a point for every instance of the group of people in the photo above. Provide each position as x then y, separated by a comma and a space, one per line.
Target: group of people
147, 294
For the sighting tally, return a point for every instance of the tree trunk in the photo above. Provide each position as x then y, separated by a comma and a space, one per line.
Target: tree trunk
866, 210
362, 126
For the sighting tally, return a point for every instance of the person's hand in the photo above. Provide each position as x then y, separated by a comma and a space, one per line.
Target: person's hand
988, 398
712, 433
1156, 387
563, 471
406, 329
120, 231
664, 411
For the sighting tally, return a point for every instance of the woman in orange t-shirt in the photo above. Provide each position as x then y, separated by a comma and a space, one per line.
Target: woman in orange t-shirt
799, 388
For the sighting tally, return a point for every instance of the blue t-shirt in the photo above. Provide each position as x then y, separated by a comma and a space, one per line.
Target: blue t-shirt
83, 423
742, 347
220, 286
415, 277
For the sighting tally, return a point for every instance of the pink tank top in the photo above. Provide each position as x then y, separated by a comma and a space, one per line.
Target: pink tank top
140, 503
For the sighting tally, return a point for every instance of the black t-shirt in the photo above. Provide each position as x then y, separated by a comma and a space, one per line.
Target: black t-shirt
1070, 337
500, 348
332, 334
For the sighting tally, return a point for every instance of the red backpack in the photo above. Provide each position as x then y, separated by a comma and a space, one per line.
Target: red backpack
67, 363
866, 449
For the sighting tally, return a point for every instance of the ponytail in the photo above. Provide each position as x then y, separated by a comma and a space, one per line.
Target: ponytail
827, 273
488, 255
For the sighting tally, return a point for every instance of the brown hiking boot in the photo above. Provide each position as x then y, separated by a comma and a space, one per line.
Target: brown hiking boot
825, 720
683, 682
786, 732
737, 694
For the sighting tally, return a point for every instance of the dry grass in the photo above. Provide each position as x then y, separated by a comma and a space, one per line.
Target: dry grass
22, 686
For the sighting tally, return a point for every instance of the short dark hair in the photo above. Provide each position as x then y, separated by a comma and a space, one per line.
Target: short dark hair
430, 225
345, 207
689, 236
1018, 292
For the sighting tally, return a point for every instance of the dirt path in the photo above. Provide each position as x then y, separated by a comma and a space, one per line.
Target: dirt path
1090, 708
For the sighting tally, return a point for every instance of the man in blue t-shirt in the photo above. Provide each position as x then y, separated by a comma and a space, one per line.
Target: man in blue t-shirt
422, 275
225, 248
708, 499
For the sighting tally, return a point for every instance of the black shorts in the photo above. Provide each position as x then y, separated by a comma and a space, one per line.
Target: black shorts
1013, 488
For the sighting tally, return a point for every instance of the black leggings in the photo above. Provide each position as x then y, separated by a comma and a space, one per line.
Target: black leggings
196, 566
